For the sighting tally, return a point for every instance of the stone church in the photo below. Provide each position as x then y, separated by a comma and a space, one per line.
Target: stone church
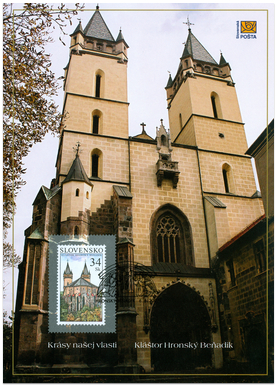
172, 201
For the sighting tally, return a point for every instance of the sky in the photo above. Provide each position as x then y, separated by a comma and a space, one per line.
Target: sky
156, 34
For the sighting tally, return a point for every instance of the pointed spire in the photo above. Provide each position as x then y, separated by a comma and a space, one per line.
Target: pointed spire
77, 172
222, 60
97, 28
195, 49
68, 270
85, 270
120, 36
79, 28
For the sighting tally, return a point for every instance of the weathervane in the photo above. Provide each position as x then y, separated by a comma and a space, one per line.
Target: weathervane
188, 23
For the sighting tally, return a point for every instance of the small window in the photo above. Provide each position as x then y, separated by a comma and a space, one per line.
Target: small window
225, 179
95, 124
97, 86
163, 140
76, 231
214, 107
95, 165
77, 192
87, 194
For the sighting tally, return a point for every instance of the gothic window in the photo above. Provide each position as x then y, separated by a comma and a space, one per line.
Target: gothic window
171, 237
260, 257
97, 86
95, 124
225, 179
227, 176
168, 234
77, 192
163, 140
216, 105
94, 165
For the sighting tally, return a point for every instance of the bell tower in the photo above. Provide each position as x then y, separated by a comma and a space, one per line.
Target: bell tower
95, 96
202, 102
204, 114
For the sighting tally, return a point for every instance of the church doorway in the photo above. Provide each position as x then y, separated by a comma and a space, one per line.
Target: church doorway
180, 322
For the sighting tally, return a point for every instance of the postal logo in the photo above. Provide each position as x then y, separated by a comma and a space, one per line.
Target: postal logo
248, 27
246, 30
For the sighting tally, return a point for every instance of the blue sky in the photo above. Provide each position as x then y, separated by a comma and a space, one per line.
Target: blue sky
155, 34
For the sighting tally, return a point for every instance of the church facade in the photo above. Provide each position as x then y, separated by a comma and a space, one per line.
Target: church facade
172, 201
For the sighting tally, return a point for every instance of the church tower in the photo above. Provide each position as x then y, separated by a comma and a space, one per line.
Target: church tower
204, 112
67, 276
85, 273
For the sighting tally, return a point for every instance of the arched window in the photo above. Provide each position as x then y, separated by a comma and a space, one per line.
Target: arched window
168, 240
76, 231
216, 105
95, 124
87, 194
163, 140
171, 237
96, 163
97, 86
77, 192
228, 178
96, 121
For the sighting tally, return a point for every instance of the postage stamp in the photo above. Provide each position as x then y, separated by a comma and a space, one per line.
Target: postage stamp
82, 296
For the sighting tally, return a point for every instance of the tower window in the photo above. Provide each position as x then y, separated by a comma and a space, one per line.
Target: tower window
76, 231
87, 194
77, 192
95, 124
214, 107
97, 86
95, 165
225, 178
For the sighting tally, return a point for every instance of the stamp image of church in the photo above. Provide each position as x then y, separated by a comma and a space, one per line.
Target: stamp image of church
79, 293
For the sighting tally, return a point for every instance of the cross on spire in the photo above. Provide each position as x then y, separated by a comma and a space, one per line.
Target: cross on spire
76, 148
188, 23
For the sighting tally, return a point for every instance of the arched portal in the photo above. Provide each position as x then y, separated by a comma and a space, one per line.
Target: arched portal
179, 316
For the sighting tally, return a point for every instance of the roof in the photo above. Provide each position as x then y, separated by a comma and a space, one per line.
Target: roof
85, 270
79, 28
195, 49
169, 82
97, 28
122, 191
36, 235
81, 282
68, 270
222, 60
48, 193
215, 202
77, 172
